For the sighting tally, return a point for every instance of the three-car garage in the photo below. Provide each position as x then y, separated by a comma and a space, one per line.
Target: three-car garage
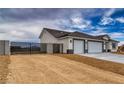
80, 47
94, 47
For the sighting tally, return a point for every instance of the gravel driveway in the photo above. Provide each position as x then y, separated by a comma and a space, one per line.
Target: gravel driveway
107, 56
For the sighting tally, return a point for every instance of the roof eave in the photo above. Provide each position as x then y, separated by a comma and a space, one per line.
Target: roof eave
80, 38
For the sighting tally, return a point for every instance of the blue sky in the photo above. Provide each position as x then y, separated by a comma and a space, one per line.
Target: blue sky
26, 24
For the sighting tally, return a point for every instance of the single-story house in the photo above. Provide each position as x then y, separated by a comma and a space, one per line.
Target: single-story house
76, 42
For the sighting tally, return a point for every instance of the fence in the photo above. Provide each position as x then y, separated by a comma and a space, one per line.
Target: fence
33, 48
27, 48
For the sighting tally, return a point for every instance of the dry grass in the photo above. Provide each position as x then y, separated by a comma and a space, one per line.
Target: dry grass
101, 64
4, 61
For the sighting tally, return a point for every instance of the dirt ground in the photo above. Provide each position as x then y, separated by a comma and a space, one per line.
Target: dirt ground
4, 62
101, 64
56, 70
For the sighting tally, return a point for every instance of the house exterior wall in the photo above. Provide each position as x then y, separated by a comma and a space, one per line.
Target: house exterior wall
4, 47
110, 46
68, 43
49, 48
65, 43
49, 39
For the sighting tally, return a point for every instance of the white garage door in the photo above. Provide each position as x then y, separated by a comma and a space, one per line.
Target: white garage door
94, 47
78, 46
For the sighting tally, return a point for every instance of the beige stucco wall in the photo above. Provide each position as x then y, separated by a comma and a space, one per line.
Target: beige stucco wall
48, 38
49, 48
7, 47
70, 43
4, 47
110, 46
65, 43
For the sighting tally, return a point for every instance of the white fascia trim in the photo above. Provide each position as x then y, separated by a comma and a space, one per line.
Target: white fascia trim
80, 38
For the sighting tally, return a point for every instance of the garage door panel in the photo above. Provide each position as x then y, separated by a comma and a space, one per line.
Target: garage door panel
78, 46
94, 47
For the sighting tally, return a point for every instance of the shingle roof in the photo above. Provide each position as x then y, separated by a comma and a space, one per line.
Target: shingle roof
80, 34
101, 36
113, 40
59, 34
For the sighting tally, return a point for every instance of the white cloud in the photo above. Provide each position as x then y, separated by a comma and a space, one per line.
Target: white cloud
25, 30
75, 22
117, 35
98, 32
17, 33
121, 43
83, 26
4, 36
121, 19
109, 12
79, 22
107, 21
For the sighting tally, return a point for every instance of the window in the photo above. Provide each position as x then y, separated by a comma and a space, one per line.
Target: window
113, 45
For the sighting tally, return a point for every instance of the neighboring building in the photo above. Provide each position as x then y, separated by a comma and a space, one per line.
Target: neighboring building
121, 48
76, 42
4, 47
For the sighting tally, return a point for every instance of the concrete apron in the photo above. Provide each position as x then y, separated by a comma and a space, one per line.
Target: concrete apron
107, 56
